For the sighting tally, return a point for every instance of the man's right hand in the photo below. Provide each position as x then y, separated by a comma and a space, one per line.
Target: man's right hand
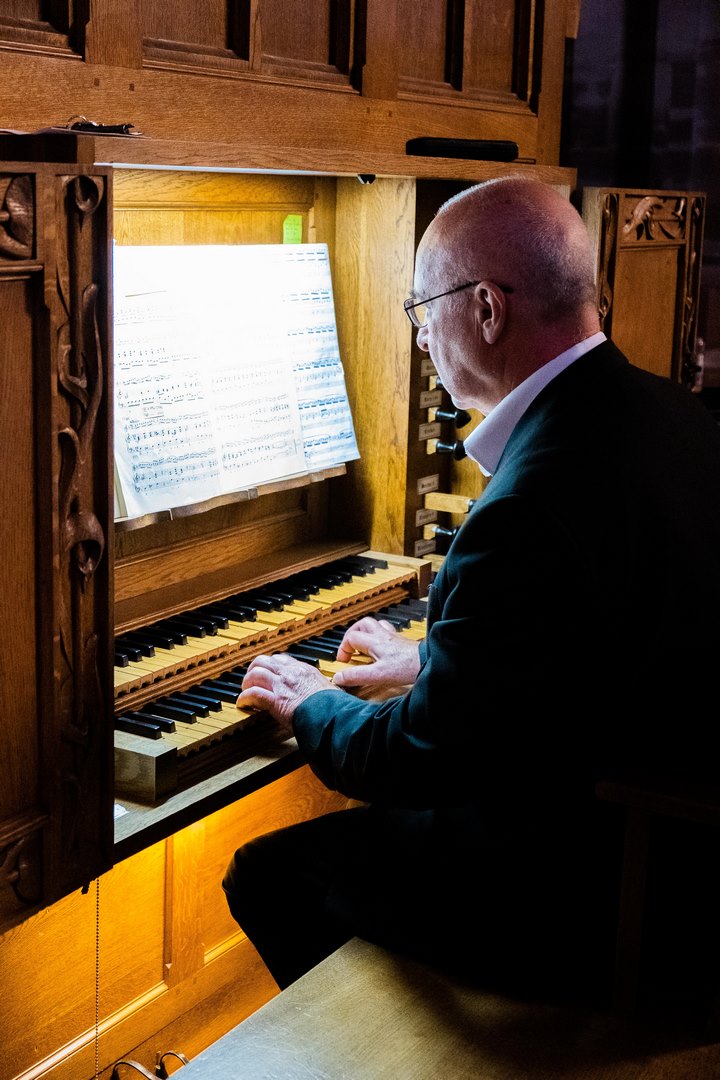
396, 660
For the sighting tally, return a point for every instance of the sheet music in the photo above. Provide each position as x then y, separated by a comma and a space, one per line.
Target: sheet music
227, 371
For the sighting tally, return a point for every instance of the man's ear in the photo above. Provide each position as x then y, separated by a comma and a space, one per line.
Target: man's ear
492, 306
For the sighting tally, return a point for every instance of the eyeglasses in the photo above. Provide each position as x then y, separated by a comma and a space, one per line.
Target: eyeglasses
416, 310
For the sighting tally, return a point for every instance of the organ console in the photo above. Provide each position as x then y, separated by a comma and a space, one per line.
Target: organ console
280, 126
177, 678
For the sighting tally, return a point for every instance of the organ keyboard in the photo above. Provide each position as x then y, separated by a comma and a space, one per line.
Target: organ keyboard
177, 679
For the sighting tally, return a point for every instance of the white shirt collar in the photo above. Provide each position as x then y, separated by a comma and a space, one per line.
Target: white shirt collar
485, 444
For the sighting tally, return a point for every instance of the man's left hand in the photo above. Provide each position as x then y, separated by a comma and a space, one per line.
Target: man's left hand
278, 684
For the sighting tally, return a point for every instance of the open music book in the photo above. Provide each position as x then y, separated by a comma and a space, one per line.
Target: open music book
227, 371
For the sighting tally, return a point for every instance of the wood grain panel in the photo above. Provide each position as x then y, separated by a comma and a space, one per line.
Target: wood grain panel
479, 49
645, 306
18, 693
145, 190
181, 561
423, 44
375, 234
497, 41
204, 25
113, 36
649, 246
175, 971
37, 26
314, 37
48, 964
209, 208
184, 951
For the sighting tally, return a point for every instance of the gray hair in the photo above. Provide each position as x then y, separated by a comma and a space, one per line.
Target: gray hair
523, 233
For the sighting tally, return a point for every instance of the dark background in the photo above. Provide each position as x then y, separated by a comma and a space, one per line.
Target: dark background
642, 109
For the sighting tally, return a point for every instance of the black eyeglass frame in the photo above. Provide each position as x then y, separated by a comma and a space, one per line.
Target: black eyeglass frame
410, 304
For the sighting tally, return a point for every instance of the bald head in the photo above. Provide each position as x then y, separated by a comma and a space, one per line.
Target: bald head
523, 233
509, 272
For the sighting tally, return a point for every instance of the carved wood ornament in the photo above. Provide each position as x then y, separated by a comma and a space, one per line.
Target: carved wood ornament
21, 837
17, 217
80, 383
654, 220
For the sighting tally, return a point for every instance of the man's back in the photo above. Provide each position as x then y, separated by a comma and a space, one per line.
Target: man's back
603, 523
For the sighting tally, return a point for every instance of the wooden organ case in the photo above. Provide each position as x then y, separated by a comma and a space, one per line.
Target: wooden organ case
245, 125
87, 581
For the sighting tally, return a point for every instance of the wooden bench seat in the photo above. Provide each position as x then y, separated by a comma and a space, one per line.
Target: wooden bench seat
367, 1014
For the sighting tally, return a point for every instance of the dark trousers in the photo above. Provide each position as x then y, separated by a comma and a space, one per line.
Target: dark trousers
508, 913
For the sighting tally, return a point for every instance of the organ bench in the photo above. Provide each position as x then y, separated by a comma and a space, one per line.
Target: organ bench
367, 1014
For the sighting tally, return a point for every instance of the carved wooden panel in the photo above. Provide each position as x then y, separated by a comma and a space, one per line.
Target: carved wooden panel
649, 247
55, 799
21, 814
77, 751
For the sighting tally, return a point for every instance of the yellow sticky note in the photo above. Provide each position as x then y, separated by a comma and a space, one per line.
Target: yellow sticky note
292, 229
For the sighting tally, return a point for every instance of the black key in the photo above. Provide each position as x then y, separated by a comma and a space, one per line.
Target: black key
155, 636
237, 611
295, 590
264, 602
324, 650
224, 692
193, 627
204, 696
174, 711
355, 568
186, 702
337, 566
367, 560
259, 603
178, 624
400, 622
175, 633
137, 727
147, 716
414, 614
333, 637
325, 579
211, 624
300, 654
132, 652
211, 612
121, 659
229, 679
308, 587
146, 649
281, 590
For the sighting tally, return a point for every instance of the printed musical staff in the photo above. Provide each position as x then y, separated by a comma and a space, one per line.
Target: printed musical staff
227, 371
